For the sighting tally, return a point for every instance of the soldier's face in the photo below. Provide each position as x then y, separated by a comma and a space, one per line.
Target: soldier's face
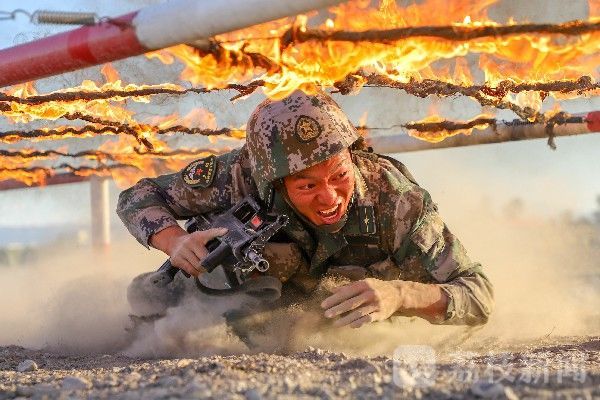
322, 192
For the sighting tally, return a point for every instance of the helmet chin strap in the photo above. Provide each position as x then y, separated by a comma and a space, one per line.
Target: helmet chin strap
326, 228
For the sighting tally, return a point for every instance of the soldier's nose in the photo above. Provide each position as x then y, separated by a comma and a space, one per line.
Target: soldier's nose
327, 196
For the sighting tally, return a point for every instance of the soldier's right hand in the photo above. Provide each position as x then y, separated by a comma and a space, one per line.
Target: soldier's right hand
186, 250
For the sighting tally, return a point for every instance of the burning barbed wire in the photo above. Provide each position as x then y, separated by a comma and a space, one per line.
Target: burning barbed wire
38, 174
428, 87
358, 37
431, 129
113, 94
428, 129
352, 83
100, 155
13, 136
456, 32
359, 46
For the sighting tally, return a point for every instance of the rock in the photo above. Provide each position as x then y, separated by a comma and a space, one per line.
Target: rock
170, 381
492, 390
289, 383
403, 379
134, 376
27, 365
253, 394
197, 390
511, 395
26, 391
75, 383
44, 391
364, 365
184, 363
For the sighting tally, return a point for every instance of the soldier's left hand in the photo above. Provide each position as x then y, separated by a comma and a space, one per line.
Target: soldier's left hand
363, 301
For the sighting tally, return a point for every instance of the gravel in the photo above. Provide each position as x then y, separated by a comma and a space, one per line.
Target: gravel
310, 374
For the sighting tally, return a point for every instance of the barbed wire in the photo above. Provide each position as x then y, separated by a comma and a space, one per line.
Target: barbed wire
550, 119
351, 84
243, 89
458, 32
138, 132
13, 136
103, 155
64, 166
420, 127
485, 94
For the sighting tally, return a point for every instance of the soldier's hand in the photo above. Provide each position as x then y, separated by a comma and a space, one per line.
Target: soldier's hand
187, 251
361, 302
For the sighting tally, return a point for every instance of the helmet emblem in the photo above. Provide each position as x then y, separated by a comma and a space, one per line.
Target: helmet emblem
307, 128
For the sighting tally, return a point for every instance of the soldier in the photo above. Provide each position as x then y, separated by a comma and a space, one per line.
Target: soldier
351, 211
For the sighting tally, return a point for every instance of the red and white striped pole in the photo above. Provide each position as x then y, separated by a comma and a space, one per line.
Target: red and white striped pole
503, 131
151, 28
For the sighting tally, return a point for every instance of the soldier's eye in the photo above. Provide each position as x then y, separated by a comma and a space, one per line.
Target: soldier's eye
342, 175
307, 186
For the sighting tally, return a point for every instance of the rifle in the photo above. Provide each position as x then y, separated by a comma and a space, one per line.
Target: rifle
239, 251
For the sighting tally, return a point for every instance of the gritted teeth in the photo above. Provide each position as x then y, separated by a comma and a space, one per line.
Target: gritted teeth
329, 212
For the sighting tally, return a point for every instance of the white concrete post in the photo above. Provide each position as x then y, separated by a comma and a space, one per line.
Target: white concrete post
100, 208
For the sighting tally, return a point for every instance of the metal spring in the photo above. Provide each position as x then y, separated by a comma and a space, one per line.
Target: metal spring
63, 18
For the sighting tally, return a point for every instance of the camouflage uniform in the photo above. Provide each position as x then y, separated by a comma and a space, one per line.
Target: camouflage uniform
392, 228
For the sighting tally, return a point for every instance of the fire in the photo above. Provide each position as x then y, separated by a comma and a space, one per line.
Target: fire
107, 116
273, 54
435, 129
523, 57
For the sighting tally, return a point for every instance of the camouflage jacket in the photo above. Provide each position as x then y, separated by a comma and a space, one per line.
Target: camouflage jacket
393, 229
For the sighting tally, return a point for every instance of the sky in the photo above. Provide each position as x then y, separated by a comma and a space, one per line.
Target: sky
548, 182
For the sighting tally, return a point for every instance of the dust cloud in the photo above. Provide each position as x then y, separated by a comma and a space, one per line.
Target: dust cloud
71, 298
545, 272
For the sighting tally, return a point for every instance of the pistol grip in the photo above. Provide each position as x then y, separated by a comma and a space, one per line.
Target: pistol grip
171, 271
217, 252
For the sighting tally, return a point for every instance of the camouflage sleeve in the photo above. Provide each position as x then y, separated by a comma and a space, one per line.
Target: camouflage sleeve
430, 243
154, 204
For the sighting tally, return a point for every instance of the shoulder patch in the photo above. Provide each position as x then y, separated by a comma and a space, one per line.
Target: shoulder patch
200, 173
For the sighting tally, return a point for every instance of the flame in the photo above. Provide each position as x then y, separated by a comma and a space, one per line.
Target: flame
110, 73
440, 134
268, 52
362, 121
532, 100
524, 57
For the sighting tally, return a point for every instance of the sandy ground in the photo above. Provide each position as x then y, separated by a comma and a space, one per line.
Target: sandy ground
67, 311
558, 368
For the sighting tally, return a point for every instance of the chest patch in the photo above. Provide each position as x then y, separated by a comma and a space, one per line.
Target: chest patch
200, 173
366, 219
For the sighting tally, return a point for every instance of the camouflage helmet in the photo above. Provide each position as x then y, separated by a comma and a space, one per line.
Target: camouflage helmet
290, 135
